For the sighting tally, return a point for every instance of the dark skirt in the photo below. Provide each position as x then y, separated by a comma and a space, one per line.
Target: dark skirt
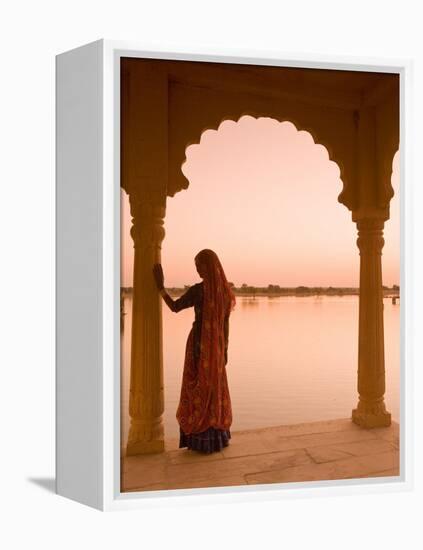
210, 441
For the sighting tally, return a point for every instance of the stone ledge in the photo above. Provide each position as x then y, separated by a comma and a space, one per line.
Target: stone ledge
334, 449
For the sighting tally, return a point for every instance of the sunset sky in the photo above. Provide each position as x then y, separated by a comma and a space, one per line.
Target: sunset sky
264, 197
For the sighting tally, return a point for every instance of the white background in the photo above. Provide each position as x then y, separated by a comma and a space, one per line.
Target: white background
32, 33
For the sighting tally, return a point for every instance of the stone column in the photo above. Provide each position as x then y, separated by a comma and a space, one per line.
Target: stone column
371, 411
146, 399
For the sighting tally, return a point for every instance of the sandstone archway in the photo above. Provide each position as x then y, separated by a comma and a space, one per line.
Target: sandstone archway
166, 105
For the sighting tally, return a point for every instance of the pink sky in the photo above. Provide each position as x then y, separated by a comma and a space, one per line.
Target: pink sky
264, 197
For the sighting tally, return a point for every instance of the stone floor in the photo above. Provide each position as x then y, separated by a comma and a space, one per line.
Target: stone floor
335, 449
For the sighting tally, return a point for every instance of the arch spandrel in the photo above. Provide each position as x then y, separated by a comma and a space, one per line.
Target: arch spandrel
388, 130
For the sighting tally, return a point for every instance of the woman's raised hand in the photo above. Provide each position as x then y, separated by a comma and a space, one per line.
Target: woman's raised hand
158, 276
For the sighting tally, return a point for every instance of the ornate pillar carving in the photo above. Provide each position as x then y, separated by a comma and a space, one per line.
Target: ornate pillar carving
146, 399
371, 411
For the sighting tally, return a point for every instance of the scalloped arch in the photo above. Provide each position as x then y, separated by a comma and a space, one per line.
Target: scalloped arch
387, 172
343, 197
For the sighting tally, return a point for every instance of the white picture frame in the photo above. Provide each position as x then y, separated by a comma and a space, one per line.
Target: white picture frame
88, 279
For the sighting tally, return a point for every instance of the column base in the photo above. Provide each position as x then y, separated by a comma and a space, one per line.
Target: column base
145, 447
371, 415
145, 437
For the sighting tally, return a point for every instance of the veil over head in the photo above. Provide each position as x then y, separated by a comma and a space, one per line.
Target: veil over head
216, 286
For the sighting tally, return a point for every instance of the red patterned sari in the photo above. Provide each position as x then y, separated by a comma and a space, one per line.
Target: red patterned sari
205, 404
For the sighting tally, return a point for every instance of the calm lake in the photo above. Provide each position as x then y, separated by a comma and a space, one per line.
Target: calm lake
290, 360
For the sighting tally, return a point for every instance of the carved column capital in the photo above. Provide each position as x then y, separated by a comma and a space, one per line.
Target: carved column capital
370, 236
147, 229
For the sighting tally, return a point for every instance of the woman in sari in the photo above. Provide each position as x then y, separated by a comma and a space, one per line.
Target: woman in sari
204, 413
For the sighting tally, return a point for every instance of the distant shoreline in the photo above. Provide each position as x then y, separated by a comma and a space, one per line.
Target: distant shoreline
297, 291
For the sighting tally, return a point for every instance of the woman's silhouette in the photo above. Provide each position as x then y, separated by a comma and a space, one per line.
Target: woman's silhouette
204, 412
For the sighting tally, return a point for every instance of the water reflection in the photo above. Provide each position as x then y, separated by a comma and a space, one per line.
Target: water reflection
291, 359
246, 302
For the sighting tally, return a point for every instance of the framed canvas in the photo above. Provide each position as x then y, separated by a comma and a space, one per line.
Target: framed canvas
233, 280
